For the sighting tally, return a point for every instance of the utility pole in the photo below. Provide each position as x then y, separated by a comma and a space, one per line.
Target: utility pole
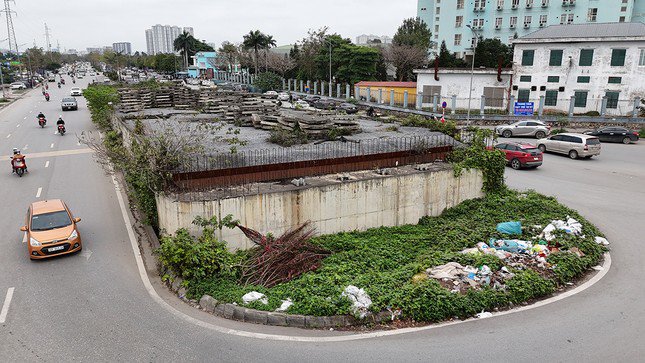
49, 45
11, 34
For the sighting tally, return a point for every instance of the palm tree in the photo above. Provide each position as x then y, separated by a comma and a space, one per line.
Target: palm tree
184, 44
255, 40
269, 43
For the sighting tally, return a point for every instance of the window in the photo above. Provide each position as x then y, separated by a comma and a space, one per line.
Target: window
542, 20
615, 80
460, 4
523, 95
623, 9
527, 57
515, 3
592, 13
563, 19
513, 21
494, 96
478, 23
641, 60
459, 20
580, 98
584, 79
621, 19
612, 99
437, 10
529, 3
551, 98
500, 4
569, 18
472, 42
618, 57
527, 20
545, 3
498, 22
586, 57
480, 4
525, 78
436, 28
555, 58
553, 79
457, 39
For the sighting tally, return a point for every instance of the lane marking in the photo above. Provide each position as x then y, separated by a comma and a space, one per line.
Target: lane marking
153, 294
18, 125
8, 136
51, 146
47, 164
24, 118
5, 306
31, 111
26, 147
55, 132
24, 238
40, 190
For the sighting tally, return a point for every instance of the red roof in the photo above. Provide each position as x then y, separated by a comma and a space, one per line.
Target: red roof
387, 84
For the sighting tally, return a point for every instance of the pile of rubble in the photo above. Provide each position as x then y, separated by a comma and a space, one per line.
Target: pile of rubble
315, 125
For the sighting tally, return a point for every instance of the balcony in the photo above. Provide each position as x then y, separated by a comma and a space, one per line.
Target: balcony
479, 9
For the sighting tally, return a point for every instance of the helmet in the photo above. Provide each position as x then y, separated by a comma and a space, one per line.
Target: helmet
60, 116
16, 151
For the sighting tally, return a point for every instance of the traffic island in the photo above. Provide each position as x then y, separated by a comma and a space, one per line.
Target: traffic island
461, 264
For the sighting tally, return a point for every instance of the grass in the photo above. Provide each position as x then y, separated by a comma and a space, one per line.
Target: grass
384, 260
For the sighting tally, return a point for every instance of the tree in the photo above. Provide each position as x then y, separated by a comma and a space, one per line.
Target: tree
357, 63
489, 51
410, 47
227, 55
306, 53
448, 59
406, 59
184, 44
268, 81
255, 40
269, 43
280, 63
413, 32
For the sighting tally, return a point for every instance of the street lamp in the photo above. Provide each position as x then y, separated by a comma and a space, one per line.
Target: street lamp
472, 73
329, 41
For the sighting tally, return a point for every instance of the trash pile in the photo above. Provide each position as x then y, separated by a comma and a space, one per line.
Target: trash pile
361, 302
516, 253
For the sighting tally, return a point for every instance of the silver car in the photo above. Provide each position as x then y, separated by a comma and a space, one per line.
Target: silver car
69, 103
574, 145
537, 129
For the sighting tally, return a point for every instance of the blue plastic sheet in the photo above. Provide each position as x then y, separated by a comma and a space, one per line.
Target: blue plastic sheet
510, 228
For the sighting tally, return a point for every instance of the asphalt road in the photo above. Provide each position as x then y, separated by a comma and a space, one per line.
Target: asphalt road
93, 306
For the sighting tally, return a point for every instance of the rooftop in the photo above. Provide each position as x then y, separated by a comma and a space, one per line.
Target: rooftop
587, 31
387, 84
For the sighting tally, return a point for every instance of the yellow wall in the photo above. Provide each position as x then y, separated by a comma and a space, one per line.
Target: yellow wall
398, 94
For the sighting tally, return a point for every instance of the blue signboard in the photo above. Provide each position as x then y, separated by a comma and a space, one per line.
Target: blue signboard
524, 108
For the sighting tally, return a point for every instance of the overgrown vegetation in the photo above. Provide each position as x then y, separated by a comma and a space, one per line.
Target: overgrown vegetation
448, 127
384, 260
478, 156
282, 137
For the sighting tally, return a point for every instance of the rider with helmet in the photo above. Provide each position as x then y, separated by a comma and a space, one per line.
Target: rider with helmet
17, 156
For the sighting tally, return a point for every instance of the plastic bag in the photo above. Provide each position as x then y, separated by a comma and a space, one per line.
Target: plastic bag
510, 228
359, 299
255, 296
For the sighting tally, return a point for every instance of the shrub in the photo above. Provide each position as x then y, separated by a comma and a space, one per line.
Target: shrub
448, 128
287, 138
268, 81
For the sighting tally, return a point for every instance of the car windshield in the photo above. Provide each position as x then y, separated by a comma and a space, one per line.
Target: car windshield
69, 99
47, 221
532, 150
593, 141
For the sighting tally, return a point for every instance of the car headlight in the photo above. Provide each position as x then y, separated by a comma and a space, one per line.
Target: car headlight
73, 235
34, 243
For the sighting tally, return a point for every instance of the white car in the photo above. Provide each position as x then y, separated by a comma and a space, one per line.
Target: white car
18, 85
283, 97
271, 94
301, 104
76, 92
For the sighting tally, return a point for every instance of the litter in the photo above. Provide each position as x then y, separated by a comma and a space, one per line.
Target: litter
601, 241
571, 226
359, 299
451, 270
484, 315
286, 304
577, 251
510, 228
598, 268
255, 296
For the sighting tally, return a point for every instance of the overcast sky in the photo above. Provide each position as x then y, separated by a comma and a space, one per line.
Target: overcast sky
80, 24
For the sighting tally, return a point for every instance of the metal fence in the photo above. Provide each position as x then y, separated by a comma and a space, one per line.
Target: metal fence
226, 170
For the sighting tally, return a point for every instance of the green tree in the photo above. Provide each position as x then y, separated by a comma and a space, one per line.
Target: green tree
185, 45
254, 40
268, 81
413, 32
410, 46
357, 63
227, 55
269, 43
489, 51
448, 59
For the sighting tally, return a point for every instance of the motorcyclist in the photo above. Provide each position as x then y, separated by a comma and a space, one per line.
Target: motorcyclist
58, 84
60, 121
47, 96
17, 156
41, 115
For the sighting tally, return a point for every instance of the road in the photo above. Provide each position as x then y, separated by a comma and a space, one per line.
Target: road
94, 306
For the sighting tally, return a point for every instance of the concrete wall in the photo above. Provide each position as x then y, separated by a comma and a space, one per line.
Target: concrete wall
335, 207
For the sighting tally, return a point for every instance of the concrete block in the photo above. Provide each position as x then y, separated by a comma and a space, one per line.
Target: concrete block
255, 316
277, 319
296, 321
208, 303
229, 309
239, 313
314, 322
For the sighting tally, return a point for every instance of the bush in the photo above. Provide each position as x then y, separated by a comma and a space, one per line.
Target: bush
287, 138
448, 128
492, 163
268, 81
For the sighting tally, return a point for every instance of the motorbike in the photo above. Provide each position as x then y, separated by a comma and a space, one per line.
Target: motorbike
47, 98
20, 167
61, 130
58, 85
42, 121
62, 81
73, 81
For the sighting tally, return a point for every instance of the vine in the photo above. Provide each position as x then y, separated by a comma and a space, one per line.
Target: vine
478, 156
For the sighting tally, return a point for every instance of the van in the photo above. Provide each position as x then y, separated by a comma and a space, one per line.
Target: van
572, 144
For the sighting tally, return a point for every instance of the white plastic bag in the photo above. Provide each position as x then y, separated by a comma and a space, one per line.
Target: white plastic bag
359, 299
286, 304
255, 296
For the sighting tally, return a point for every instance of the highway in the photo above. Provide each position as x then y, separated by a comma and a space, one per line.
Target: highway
94, 306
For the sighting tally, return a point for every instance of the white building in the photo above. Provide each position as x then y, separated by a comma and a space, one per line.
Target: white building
600, 66
160, 38
452, 87
122, 48
368, 39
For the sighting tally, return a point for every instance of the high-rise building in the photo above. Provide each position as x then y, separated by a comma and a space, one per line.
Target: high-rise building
161, 38
122, 48
508, 19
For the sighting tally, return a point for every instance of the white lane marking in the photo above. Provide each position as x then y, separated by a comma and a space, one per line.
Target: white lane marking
5, 306
18, 125
8, 136
151, 291
31, 111
24, 118
51, 146
47, 164
55, 132
26, 147
40, 190
24, 238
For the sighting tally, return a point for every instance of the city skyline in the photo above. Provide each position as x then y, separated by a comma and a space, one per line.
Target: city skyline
99, 28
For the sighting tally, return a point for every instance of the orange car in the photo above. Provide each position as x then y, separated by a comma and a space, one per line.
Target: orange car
51, 230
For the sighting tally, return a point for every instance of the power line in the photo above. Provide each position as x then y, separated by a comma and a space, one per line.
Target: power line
11, 33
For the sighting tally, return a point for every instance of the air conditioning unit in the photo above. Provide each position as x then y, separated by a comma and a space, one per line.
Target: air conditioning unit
499, 7
527, 25
541, 25
514, 7
497, 26
528, 6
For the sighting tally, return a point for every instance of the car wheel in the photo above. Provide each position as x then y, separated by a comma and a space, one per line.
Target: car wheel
515, 164
573, 154
507, 133
627, 140
540, 135
542, 148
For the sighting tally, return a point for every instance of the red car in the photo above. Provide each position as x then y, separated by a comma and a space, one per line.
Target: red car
519, 155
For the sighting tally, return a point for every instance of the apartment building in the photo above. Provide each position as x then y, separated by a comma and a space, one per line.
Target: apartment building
122, 48
510, 19
161, 38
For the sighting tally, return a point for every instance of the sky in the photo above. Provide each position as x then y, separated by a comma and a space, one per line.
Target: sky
79, 24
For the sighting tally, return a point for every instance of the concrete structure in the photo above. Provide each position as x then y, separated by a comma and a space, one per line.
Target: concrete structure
94, 50
452, 88
506, 19
368, 201
161, 38
369, 39
601, 66
203, 65
381, 92
122, 48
